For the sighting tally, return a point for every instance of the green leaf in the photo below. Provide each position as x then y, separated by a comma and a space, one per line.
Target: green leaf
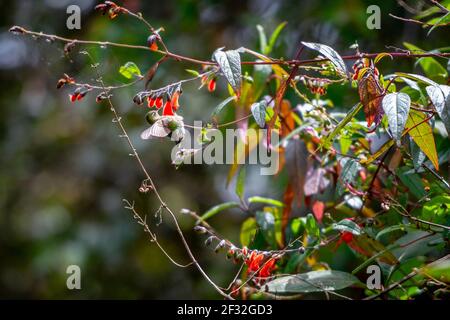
330, 54
412, 181
348, 174
260, 74
347, 225
437, 209
311, 226
422, 134
430, 66
216, 209
262, 38
440, 97
274, 37
195, 73
329, 139
272, 202
417, 154
439, 270
443, 19
313, 281
396, 106
248, 231
259, 112
416, 243
417, 77
240, 183
230, 64
221, 105
129, 69
266, 221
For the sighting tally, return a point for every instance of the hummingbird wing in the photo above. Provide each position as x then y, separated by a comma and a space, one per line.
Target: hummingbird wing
158, 130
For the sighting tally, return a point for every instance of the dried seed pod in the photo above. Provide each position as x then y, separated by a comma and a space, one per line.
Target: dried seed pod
200, 229
61, 83
100, 97
209, 240
185, 211
138, 99
221, 245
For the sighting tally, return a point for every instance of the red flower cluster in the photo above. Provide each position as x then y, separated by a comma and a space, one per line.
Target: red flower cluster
171, 105
318, 86
255, 263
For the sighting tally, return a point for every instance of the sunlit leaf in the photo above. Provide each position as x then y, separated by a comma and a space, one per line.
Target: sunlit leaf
230, 64
430, 66
274, 37
348, 174
313, 281
221, 105
396, 107
347, 225
248, 231
262, 38
422, 135
258, 110
266, 222
216, 209
350, 115
264, 200
367, 246
129, 69
240, 183
440, 97
329, 53
417, 77
381, 56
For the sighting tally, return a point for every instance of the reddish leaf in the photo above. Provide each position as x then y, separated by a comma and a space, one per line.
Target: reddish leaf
316, 181
371, 96
318, 209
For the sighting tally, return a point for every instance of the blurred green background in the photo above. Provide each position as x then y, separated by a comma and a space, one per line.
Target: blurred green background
64, 171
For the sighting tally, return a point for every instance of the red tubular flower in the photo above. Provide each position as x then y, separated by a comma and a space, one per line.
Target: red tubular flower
212, 85
268, 268
73, 97
254, 261
151, 102
174, 100
158, 102
168, 111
